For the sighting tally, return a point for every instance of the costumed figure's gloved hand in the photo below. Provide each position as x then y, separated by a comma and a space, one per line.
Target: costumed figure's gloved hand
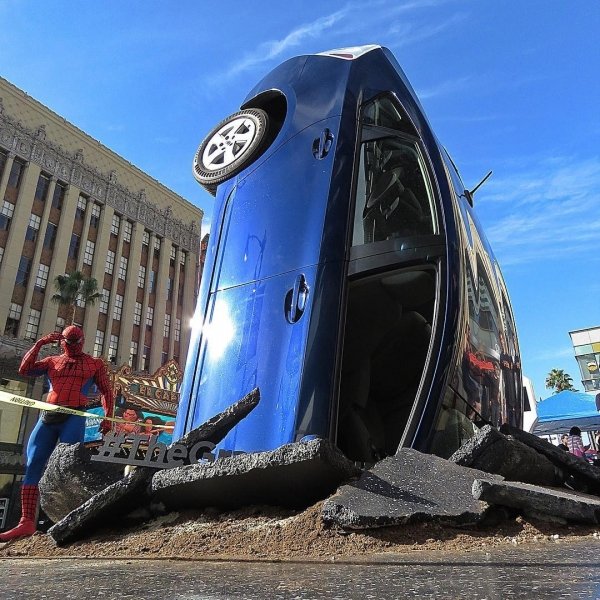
105, 427
50, 338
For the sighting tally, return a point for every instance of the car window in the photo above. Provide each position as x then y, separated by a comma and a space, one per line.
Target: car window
384, 112
393, 194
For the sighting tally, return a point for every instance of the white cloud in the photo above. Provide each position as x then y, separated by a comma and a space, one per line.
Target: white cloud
547, 210
274, 48
406, 33
353, 18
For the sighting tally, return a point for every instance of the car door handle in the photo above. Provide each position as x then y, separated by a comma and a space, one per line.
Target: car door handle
295, 299
322, 144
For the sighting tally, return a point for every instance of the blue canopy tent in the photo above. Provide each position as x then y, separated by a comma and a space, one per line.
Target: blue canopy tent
560, 412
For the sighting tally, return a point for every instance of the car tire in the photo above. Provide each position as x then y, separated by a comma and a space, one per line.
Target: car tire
230, 147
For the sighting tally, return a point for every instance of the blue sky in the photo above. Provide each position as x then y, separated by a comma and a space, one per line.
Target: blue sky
511, 86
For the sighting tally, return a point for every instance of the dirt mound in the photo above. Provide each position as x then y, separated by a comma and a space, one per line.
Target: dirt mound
266, 533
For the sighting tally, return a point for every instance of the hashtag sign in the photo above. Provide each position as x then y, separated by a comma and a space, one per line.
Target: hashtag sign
110, 448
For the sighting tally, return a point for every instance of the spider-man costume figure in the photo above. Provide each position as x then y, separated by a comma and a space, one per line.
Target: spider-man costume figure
69, 375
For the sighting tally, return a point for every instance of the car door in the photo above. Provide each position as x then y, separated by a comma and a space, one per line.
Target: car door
256, 317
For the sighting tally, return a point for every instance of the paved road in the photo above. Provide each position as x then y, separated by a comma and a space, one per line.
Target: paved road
554, 571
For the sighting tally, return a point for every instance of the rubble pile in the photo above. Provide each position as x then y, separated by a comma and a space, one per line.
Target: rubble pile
495, 476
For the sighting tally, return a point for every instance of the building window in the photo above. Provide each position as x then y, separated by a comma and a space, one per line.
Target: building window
133, 354
3, 158
137, 313
12, 322
163, 358
177, 329
152, 281
122, 268
156, 247
182, 258
118, 307
50, 236
99, 343
110, 262
116, 222
112, 348
60, 324
24, 270
58, 196
33, 324
141, 276
104, 301
146, 238
127, 229
74, 245
146, 358
81, 206
149, 317
173, 255
16, 173
167, 330
33, 228
95, 218
88, 255
41, 191
6, 213
41, 279
170, 288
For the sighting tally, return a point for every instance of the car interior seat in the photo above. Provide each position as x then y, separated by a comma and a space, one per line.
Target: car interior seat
370, 313
398, 362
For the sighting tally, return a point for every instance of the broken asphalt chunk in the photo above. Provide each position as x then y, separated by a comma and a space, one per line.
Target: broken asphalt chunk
71, 478
493, 452
406, 488
132, 491
585, 477
540, 501
293, 476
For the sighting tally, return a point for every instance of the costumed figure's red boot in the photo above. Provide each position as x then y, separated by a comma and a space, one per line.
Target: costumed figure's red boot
27, 525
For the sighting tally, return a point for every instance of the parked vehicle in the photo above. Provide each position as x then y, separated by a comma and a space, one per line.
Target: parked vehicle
347, 275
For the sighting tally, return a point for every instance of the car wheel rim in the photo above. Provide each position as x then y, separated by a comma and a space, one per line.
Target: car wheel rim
229, 144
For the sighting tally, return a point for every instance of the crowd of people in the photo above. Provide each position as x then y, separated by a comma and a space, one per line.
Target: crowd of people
573, 443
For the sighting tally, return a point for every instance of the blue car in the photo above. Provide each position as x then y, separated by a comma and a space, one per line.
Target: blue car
347, 275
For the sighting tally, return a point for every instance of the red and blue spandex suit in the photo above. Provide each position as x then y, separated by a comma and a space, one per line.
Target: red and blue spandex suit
70, 374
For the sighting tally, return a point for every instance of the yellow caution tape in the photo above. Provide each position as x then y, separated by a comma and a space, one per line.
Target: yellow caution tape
40, 405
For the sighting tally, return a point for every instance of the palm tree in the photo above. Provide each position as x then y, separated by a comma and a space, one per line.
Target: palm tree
75, 289
560, 381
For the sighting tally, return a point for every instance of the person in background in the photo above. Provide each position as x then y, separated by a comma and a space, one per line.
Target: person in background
575, 442
564, 442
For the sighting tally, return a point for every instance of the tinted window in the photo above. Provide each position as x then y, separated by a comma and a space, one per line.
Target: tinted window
58, 196
24, 270
384, 112
393, 197
42, 187
50, 236
74, 246
14, 179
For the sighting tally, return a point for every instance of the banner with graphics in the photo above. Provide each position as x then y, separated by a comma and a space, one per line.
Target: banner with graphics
145, 404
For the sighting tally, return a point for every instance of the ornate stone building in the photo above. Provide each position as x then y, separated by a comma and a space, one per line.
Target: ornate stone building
69, 203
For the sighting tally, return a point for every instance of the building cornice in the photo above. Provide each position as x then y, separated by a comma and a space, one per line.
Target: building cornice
33, 146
